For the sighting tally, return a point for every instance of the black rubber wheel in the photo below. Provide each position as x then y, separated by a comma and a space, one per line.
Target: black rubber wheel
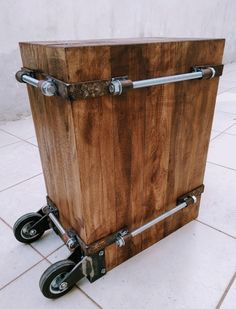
22, 227
51, 281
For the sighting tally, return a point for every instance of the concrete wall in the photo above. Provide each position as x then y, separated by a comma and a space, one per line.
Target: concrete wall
24, 20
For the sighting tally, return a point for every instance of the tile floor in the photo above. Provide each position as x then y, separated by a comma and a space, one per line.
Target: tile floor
194, 267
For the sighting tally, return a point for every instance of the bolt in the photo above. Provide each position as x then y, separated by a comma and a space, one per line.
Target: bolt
63, 286
32, 232
48, 88
103, 271
101, 253
111, 88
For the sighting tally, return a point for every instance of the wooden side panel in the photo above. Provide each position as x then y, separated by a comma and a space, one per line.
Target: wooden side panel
55, 133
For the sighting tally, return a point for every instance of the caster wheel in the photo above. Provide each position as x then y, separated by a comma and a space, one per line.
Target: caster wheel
21, 228
51, 282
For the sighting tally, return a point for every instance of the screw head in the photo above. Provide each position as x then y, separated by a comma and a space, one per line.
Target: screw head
48, 88
32, 232
103, 271
63, 286
111, 88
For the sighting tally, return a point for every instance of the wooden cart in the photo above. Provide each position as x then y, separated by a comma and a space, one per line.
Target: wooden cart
123, 128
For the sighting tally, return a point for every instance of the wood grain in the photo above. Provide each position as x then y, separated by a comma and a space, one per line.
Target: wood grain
115, 162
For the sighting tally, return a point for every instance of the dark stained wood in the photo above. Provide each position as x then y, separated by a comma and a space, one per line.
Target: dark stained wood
115, 162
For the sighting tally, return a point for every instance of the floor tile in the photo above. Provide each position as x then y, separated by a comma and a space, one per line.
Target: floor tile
226, 102
7, 139
214, 133
231, 130
48, 243
25, 293
188, 269
230, 299
229, 67
15, 257
230, 75
33, 140
28, 196
23, 128
225, 85
218, 201
21, 161
223, 120
222, 151
58, 255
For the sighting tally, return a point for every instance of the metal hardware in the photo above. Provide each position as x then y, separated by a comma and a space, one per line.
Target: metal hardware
92, 267
117, 86
120, 241
182, 202
161, 217
51, 86
58, 225
63, 286
89, 260
100, 244
213, 72
50, 219
47, 87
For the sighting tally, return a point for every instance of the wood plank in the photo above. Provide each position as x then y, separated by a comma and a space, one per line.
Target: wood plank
93, 122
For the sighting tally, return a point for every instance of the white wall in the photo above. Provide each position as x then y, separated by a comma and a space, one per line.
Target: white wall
28, 20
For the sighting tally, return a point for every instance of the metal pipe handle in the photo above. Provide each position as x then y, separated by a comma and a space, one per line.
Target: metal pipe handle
117, 86
47, 87
121, 239
92, 89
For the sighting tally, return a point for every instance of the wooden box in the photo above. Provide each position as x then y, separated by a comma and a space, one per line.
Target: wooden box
111, 162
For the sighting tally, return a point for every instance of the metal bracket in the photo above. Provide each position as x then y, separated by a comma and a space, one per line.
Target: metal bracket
92, 267
213, 70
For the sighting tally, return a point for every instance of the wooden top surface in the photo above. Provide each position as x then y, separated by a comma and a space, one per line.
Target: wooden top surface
112, 42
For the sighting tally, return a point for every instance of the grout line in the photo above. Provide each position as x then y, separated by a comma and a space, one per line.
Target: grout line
6, 223
31, 143
88, 296
226, 291
10, 144
224, 131
232, 134
61, 246
24, 272
36, 250
20, 182
229, 168
214, 228
20, 138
